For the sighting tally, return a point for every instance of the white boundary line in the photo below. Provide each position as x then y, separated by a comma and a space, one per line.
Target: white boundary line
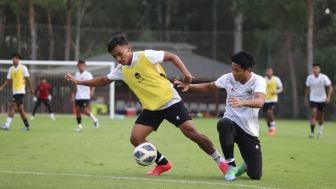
139, 179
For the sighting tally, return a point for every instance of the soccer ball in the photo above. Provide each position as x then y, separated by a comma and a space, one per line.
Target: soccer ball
145, 154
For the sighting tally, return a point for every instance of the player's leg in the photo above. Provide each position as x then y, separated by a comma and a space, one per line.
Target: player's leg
78, 104
320, 115
250, 150
23, 116
313, 112
37, 104
227, 134
146, 123
86, 111
10, 116
51, 113
270, 119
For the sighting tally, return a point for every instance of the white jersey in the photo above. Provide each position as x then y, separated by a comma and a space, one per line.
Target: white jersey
245, 117
82, 91
155, 57
317, 87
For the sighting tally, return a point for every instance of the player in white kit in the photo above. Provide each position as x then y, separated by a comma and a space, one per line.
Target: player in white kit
82, 95
316, 85
245, 96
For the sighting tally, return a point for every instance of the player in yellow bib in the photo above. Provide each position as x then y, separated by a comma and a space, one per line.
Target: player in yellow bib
142, 72
273, 88
19, 75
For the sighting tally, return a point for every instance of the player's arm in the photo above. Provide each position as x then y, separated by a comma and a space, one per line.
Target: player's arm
306, 92
94, 82
168, 56
5, 83
329, 93
92, 91
29, 84
256, 102
199, 87
279, 86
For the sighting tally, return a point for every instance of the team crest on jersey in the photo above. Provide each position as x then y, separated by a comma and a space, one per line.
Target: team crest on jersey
138, 77
249, 91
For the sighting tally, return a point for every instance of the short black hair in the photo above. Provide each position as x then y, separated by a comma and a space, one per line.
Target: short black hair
316, 65
116, 40
16, 54
81, 62
244, 59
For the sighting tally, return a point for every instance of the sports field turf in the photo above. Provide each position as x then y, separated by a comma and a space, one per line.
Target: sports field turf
52, 155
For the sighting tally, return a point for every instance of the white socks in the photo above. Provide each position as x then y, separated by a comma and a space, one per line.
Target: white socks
320, 129
272, 124
8, 122
80, 126
217, 157
94, 119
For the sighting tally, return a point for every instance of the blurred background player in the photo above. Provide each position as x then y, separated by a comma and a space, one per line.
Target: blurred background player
143, 73
245, 96
82, 95
43, 95
273, 88
316, 85
19, 75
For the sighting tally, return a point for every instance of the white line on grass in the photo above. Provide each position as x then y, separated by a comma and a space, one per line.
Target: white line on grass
141, 179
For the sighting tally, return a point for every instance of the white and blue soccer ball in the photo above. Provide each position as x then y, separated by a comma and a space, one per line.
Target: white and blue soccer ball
145, 154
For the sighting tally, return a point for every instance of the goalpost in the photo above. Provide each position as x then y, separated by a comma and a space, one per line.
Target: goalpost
54, 71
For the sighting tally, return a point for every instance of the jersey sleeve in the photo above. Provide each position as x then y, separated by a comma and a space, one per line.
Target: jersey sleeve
8, 74
308, 82
327, 81
89, 76
115, 74
154, 56
25, 71
260, 86
221, 82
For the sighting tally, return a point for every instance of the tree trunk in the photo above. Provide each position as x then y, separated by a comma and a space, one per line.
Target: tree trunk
168, 19
237, 33
18, 22
293, 80
214, 30
2, 23
33, 33
310, 35
51, 38
79, 18
67, 46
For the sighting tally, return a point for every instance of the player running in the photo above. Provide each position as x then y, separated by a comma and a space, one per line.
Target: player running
273, 88
142, 72
245, 96
19, 75
315, 87
82, 95
43, 95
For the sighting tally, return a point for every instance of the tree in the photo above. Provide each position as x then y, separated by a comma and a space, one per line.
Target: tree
33, 30
68, 39
237, 7
310, 35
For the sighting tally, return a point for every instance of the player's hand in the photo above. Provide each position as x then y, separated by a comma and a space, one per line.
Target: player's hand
49, 97
188, 78
1, 88
71, 78
34, 99
184, 87
235, 102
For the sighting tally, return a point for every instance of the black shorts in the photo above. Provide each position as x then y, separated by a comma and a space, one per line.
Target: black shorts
268, 105
18, 99
176, 114
319, 105
249, 146
82, 103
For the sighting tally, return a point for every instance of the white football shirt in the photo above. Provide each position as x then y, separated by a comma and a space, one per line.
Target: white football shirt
245, 117
155, 57
317, 87
83, 92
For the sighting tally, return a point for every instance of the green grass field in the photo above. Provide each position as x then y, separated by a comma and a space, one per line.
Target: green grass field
52, 155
